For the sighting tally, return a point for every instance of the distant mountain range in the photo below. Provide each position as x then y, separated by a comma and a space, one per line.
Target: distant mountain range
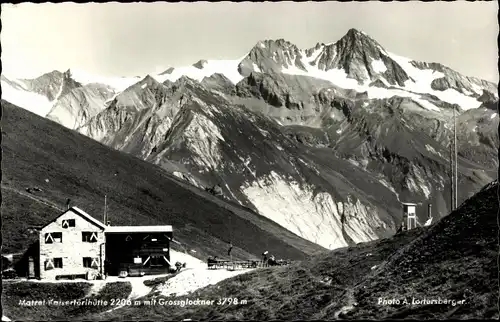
325, 141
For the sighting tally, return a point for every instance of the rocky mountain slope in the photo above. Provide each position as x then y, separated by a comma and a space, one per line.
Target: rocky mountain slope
37, 152
199, 132
324, 141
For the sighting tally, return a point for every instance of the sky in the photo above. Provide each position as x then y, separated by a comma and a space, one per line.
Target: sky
134, 39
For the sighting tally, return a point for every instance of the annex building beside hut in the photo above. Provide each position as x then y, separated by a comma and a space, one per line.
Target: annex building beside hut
76, 245
409, 216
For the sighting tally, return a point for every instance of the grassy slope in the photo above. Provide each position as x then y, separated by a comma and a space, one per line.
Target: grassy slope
14, 292
456, 259
453, 259
139, 193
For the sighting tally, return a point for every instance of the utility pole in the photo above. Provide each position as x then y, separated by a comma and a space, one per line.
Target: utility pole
105, 197
455, 155
454, 164
452, 181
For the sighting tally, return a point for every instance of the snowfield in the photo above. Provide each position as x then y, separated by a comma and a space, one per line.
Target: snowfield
423, 79
378, 66
228, 68
422, 84
118, 83
35, 103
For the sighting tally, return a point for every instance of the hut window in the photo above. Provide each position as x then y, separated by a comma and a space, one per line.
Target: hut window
49, 264
87, 261
95, 262
58, 262
89, 236
51, 238
68, 223
91, 262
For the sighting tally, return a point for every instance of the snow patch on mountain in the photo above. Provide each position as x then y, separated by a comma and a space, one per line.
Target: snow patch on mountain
335, 76
65, 116
422, 79
228, 68
339, 77
316, 217
378, 66
256, 68
381, 93
263, 132
117, 83
432, 150
421, 84
246, 164
18, 95
425, 104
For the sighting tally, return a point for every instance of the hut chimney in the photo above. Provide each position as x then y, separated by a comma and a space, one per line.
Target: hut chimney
68, 202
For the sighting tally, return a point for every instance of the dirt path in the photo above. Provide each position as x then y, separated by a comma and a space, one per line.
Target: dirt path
191, 280
96, 287
33, 197
351, 301
138, 289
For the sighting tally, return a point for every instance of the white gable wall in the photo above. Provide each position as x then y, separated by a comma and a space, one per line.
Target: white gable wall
72, 249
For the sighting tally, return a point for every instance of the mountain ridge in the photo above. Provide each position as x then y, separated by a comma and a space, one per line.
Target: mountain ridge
324, 141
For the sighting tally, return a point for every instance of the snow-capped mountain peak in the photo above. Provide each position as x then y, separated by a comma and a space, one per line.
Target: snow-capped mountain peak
200, 64
354, 62
202, 69
271, 56
117, 83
